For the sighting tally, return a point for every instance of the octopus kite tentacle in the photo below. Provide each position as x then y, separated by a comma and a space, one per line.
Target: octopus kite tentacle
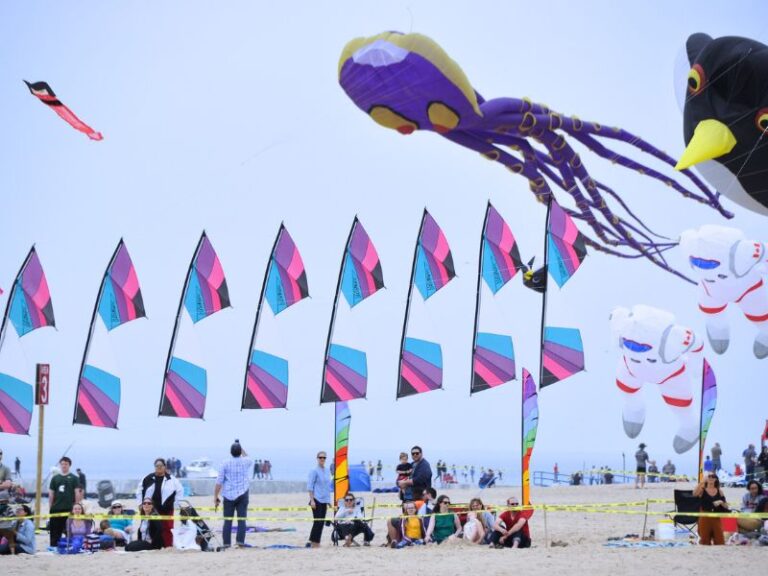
408, 83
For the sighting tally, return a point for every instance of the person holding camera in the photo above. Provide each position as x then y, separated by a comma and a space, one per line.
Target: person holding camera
234, 483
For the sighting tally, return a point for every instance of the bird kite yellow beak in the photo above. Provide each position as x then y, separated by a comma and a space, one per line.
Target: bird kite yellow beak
711, 139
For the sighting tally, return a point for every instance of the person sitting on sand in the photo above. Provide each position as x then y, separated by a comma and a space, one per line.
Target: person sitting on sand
25, 533
749, 504
113, 536
411, 530
479, 525
712, 500
350, 522
77, 523
120, 523
668, 470
443, 524
511, 529
428, 502
653, 472
150, 533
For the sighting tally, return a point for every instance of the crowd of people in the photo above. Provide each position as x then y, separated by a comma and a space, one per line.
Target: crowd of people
262, 470
426, 517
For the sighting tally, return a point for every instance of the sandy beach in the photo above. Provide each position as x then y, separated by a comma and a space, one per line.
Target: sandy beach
584, 534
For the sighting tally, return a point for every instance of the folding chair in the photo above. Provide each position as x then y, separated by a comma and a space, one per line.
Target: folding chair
685, 501
336, 535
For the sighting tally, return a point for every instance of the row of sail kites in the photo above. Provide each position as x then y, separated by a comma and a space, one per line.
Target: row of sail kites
265, 385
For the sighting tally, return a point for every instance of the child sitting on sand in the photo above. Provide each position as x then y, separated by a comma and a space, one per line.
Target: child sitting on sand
412, 530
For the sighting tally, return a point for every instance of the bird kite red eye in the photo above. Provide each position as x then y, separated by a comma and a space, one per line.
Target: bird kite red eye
696, 80
761, 119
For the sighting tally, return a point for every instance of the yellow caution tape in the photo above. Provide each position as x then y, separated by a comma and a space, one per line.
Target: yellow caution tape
580, 508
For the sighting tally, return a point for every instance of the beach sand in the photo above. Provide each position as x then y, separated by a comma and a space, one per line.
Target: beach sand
583, 532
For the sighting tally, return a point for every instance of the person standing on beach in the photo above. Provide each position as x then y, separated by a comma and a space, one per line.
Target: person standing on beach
717, 454
750, 456
641, 456
64, 492
82, 479
421, 473
17, 466
5, 475
319, 487
162, 489
234, 484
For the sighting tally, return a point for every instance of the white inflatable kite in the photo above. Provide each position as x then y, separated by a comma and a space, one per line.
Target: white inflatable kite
657, 351
730, 270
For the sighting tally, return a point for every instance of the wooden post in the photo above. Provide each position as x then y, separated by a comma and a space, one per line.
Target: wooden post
39, 479
645, 521
546, 532
42, 394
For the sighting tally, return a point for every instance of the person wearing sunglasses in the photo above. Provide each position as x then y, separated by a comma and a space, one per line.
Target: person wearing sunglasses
161, 489
421, 474
350, 522
119, 522
319, 488
712, 499
443, 524
511, 529
150, 533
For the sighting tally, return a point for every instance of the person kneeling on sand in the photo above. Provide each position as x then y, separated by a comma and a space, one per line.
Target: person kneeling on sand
511, 529
350, 522
150, 532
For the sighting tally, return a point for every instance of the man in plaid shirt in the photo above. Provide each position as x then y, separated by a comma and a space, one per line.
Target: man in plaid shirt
233, 484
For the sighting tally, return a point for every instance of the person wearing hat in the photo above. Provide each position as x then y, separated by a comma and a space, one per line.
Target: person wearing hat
234, 483
641, 456
118, 521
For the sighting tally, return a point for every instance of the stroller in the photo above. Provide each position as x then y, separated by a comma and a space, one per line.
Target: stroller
363, 527
205, 538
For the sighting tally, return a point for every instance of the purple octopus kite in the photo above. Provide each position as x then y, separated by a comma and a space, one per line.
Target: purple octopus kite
407, 82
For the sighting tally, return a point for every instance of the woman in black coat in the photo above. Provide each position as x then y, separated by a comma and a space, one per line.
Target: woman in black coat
149, 534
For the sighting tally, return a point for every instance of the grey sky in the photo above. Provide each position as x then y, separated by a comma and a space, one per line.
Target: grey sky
228, 116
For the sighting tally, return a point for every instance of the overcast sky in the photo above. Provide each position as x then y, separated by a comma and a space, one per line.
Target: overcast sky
228, 117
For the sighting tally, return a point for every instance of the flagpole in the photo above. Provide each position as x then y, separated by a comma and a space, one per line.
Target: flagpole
258, 314
332, 323
546, 287
523, 487
478, 299
701, 421
178, 320
408, 303
91, 328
